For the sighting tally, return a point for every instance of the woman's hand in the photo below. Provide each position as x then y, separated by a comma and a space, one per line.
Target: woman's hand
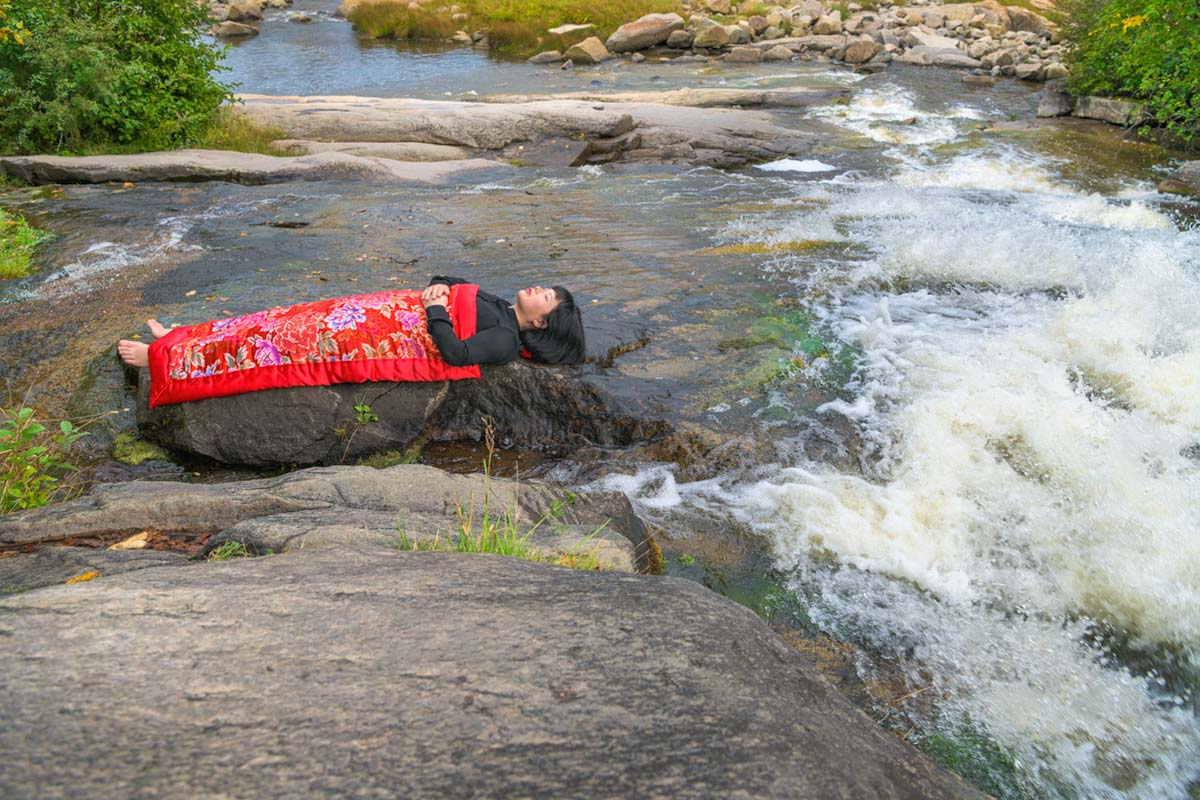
436, 295
434, 290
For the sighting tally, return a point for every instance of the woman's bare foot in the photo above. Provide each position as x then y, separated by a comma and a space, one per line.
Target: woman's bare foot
156, 328
135, 354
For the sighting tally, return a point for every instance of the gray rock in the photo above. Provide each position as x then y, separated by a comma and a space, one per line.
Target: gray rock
1029, 71
564, 30
1185, 180
589, 51
744, 55
1109, 109
861, 52
53, 566
707, 33
919, 38
547, 57
243, 10
301, 18
818, 43
718, 6
648, 31
680, 40
397, 151
938, 57
737, 136
233, 30
1055, 101
812, 8
778, 53
828, 24
997, 58
737, 35
369, 673
1021, 19
1056, 70
337, 505
533, 407
224, 165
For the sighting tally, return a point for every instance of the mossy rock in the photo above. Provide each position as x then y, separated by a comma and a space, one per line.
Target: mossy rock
129, 449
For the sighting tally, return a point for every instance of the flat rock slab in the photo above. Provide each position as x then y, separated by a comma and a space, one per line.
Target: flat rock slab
397, 151
337, 505
355, 673
699, 98
57, 565
719, 137
224, 165
530, 407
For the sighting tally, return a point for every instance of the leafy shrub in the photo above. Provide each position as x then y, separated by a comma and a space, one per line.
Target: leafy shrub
32, 459
1148, 50
105, 72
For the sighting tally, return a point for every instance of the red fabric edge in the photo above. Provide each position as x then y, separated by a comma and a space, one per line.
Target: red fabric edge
164, 390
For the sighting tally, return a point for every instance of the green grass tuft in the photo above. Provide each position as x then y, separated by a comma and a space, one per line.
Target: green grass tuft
19, 242
231, 130
516, 28
228, 550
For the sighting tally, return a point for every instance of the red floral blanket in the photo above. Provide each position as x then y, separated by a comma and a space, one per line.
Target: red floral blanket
366, 337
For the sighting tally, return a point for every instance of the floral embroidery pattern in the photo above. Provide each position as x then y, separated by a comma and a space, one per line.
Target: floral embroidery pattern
385, 325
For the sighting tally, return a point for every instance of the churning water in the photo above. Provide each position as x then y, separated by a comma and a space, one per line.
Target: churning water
1024, 527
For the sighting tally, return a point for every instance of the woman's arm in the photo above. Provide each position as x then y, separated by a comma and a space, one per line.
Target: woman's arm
491, 346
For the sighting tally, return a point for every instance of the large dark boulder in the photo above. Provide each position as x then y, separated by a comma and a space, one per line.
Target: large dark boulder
531, 407
351, 672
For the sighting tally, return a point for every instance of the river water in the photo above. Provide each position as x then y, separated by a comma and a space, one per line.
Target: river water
987, 326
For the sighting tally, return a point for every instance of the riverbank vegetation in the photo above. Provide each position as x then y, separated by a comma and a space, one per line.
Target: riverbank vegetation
106, 75
513, 27
33, 459
1148, 50
18, 242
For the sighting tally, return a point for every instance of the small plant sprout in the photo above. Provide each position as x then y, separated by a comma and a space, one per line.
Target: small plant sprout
363, 414
228, 550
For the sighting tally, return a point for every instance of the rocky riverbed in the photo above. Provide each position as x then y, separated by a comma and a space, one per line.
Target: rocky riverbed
836, 320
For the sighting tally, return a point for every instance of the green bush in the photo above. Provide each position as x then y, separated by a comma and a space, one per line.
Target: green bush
1148, 50
89, 74
32, 459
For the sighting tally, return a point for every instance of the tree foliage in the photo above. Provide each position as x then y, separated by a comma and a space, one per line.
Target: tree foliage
1145, 49
86, 74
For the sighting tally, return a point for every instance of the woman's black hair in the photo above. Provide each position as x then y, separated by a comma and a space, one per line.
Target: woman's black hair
561, 341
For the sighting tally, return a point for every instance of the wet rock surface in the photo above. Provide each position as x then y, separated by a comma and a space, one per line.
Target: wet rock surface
320, 507
223, 165
1185, 180
530, 407
363, 672
622, 131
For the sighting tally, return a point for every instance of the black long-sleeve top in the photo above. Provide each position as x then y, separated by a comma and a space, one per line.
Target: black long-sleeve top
496, 339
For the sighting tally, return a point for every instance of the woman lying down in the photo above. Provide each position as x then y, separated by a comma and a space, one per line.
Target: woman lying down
442, 333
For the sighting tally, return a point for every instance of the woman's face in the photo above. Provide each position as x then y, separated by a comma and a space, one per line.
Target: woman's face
536, 302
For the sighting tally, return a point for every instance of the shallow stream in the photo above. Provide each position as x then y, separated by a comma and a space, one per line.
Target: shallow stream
963, 349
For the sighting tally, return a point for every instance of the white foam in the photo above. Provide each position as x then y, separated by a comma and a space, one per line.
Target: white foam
1028, 405
796, 165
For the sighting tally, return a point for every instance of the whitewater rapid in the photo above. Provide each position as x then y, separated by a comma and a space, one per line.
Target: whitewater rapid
1027, 402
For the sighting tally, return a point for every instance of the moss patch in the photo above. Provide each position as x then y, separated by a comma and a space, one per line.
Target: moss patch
768, 248
129, 449
390, 458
